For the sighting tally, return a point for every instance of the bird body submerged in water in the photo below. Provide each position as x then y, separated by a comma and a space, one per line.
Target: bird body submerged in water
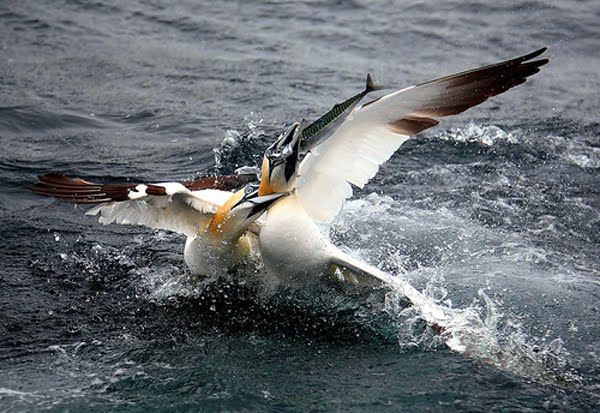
292, 244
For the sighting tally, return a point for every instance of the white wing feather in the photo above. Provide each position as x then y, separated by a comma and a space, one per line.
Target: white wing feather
181, 210
352, 155
374, 131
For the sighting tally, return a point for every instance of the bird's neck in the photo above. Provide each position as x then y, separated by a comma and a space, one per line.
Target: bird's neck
219, 227
288, 205
265, 186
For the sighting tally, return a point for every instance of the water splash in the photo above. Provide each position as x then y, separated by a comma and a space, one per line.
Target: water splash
480, 331
486, 135
583, 153
483, 329
238, 148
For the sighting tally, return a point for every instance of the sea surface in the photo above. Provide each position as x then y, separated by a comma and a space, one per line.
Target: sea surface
495, 212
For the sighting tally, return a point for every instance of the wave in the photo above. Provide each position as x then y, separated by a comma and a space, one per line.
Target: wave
28, 119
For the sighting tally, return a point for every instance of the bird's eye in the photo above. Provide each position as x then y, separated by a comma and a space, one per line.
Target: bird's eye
276, 154
249, 189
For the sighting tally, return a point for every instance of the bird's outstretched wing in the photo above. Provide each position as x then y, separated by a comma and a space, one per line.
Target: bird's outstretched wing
170, 205
79, 191
375, 130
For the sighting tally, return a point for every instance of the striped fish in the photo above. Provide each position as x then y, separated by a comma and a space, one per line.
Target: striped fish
322, 128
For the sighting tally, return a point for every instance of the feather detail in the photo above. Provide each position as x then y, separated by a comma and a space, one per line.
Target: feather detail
79, 191
371, 133
170, 205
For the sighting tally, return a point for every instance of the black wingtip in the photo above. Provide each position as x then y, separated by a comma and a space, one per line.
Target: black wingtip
533, 55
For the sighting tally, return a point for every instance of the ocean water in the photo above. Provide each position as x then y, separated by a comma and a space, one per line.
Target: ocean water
495, 213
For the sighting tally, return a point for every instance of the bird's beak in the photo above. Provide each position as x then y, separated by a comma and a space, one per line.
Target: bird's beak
291, 162
286, 146
262, 203
267, 200
282, 159
255, 204
290, 137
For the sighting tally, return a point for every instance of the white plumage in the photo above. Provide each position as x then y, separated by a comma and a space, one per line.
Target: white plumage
292, 245
215, 222
182, 211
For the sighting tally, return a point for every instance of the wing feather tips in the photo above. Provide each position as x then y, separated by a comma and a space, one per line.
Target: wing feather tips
79, 191
462, 91
522, 61
533, 54
56, 178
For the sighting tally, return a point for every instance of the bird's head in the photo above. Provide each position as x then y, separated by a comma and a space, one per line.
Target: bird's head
280, 163
243, 208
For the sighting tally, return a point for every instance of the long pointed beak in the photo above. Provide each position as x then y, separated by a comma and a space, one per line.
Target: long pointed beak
291, 136
291, 161
260, 204
289, 140
256, 204
265, 201
297, 138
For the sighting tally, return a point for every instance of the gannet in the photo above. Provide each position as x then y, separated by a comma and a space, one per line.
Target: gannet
217, 223
293, 246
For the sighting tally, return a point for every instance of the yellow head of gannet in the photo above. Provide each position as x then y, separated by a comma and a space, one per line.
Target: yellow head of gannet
244, 207
279, 167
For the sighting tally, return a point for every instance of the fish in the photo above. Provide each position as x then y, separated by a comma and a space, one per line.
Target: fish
318, 131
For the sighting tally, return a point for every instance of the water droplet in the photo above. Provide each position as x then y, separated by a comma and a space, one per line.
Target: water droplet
213, 308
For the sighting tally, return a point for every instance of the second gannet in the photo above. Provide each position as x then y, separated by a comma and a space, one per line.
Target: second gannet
216, 222
293, 246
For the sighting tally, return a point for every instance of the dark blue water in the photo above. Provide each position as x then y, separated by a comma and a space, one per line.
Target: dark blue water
495, 212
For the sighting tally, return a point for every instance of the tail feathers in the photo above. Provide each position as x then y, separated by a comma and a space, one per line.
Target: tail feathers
435, 315
79, 191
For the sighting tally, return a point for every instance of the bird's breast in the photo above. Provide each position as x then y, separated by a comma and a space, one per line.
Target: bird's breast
212, 258
291, 244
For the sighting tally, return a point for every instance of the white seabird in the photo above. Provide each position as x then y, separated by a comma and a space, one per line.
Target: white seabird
293, 247
217, 223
